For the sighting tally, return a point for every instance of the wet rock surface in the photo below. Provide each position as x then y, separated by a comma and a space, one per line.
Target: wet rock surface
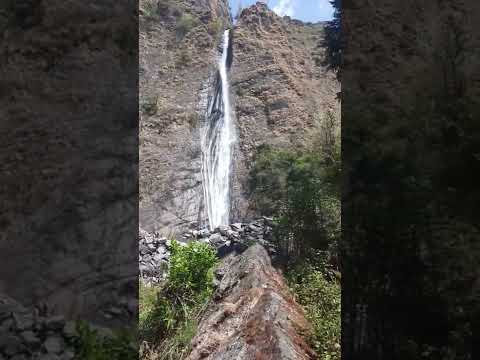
174, 80
154, 249
253, 315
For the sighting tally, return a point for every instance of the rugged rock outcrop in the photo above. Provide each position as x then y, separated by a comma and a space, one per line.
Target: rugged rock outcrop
178, 49
253, 315
281, 84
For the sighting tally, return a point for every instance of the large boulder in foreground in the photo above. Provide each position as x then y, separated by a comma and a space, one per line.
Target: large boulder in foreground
253, 314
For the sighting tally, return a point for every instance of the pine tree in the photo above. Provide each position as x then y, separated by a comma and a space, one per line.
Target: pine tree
333, 39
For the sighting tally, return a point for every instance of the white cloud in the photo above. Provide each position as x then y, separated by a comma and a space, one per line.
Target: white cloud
284, 7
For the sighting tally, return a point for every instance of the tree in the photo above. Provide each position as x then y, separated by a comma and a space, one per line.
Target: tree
333, 41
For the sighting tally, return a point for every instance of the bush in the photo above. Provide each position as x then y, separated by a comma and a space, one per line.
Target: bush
149, 106
191, 270
185, 24
168, 313
301, 190
215, 27
320, 295
89, 345
150, 8
183, 58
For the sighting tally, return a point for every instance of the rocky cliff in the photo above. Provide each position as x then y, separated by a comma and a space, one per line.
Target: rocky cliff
178, 49
279, 84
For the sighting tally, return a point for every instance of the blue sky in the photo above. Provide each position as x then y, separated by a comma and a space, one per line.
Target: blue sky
305, 10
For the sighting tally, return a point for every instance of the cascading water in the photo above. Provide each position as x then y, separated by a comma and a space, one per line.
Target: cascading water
217, 142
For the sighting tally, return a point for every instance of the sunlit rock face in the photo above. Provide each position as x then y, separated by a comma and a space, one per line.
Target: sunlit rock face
253, 314
280, 83
177, 73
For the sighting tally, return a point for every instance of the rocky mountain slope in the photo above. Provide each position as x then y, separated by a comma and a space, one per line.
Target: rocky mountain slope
281, 85
278, 84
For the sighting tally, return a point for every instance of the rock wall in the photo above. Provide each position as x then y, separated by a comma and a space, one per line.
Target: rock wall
280, 82
175, 75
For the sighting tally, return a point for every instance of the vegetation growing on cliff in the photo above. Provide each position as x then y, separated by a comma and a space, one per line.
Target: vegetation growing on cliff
301, 189
318, 290
169, 313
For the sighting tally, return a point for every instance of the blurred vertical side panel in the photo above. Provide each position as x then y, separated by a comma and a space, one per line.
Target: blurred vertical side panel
411, 155
69, 159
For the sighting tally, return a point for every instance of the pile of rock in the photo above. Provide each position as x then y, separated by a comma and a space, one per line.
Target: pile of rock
154, 250
153, 256
26, 334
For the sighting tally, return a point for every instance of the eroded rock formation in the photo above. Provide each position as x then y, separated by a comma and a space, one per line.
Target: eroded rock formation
178, 49
279, 84
253, 315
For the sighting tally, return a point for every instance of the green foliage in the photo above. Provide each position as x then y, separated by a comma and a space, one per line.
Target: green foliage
150, 8
191, 269
333, 36
89, 345
185, 24
149, 106
301, 189
183, 58
215, 26
320, 295
168, 313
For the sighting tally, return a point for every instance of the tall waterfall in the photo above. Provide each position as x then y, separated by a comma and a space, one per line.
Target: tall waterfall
217, 141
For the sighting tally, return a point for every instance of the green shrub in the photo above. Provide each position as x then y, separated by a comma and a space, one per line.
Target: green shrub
183, 58
215, 26
168, 313
150, 8
301, 191
191, 270
149, 106
89, 345
185, 24
321, 299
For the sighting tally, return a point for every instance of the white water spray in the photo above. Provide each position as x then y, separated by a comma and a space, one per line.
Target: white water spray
217, 141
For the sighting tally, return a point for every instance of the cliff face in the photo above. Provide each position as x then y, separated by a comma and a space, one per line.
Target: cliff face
278, 86
178, 49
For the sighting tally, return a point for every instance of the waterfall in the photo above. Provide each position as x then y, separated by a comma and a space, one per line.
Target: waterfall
218, 137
